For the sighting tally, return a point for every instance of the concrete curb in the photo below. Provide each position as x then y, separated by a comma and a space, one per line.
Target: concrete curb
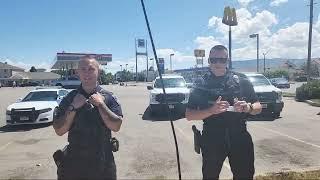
312, 103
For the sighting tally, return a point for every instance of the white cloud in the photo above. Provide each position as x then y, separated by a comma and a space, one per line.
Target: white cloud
247, 24
206, 43
245, 3
287, 42
277, 2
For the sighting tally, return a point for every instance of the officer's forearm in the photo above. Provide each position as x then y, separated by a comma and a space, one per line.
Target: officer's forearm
110, 119
256, 108
62, 124
194, 114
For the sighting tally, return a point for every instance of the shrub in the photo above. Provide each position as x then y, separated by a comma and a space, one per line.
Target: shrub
310, 90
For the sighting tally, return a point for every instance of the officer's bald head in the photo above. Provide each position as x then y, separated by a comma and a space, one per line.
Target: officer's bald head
84, 60
218, 49
88, 70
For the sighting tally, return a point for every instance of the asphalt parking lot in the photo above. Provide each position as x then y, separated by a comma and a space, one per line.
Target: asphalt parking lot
147, 150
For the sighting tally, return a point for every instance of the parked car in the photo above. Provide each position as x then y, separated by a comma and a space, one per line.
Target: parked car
301, 78
269, 96
280, 82
38, 106
67, 82
177, 94
30, 83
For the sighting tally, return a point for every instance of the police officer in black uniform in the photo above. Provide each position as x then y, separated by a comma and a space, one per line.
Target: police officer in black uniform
89, 114
223, 99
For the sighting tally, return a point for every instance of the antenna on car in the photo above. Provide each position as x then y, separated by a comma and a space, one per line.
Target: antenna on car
164, 91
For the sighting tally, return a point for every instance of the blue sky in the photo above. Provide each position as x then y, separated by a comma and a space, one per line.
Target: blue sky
33, 31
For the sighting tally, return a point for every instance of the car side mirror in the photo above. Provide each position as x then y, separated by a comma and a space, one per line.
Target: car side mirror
19, 100
149, 87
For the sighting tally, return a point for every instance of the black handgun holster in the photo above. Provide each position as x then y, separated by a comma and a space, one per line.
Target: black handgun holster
60, 155
197, 139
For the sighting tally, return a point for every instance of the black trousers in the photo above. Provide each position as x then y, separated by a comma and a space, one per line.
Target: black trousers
236, 145
75, 169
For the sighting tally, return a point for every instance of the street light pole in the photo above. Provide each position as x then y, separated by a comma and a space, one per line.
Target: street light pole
264, 61
126, 78
171, 61
257, 36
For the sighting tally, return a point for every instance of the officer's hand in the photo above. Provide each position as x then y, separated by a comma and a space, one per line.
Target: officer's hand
219, 106
96, 99
78, 101
241, 106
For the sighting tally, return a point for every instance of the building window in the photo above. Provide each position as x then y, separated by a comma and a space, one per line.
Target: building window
5, 70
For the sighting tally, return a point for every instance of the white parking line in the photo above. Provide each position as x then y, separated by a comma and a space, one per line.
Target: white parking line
190, 140
290, 137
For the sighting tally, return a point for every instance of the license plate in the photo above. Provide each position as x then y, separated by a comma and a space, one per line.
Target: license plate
171, 106
264, 105
24, 118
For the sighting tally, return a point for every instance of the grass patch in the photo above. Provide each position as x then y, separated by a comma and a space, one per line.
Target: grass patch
291, 175
286, 94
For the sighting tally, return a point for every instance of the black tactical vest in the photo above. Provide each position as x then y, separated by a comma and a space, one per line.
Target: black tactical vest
228, 87
89, 137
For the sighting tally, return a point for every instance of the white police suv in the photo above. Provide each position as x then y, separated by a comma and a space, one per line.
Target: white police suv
38, 106
177, 94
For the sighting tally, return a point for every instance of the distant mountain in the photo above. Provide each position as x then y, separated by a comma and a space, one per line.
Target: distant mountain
251, 65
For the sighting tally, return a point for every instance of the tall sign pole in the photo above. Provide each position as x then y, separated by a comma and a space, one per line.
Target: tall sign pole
230, 19
140, 43
135, 45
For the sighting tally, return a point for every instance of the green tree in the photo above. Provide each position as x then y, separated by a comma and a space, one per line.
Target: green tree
105, 78
276, 74
314, 69
33, 69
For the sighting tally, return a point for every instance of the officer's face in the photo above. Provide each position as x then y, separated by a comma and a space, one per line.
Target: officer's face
88, 72
218, 61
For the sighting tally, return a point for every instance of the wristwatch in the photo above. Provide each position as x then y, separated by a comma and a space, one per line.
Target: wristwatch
251, 108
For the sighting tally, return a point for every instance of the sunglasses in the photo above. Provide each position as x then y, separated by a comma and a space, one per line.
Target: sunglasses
218, 60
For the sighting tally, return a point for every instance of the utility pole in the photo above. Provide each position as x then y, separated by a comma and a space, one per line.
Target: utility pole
310, 40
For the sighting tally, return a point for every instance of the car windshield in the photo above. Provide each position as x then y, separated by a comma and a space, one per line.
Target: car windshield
259, 81
41, 96
170, 83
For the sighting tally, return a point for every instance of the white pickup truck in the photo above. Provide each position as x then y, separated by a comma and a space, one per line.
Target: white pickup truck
177, 94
